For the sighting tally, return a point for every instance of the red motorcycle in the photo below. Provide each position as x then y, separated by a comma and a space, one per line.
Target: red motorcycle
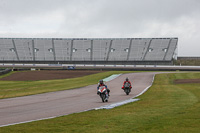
127, 88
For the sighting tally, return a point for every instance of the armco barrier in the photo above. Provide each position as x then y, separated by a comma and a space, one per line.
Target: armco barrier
2, 72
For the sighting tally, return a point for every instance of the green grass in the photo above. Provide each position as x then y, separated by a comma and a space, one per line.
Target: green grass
187, 62
10, 89
8, 74
164, 108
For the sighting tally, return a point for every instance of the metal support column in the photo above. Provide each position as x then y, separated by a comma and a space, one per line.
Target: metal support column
129, 49
164, 58
33, 47
147, 50
91, 50
15, 49
175, 49
109, 50
54, 50
72, 43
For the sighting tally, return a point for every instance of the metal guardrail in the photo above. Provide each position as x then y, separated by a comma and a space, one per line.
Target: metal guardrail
2, 72
104, 66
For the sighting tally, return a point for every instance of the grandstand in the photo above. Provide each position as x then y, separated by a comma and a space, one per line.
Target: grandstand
132, 51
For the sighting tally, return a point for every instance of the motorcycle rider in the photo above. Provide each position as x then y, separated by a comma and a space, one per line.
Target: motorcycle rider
101, 83
126, 81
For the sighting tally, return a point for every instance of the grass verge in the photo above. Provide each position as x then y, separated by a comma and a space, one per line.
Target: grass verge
165, 108
10, 89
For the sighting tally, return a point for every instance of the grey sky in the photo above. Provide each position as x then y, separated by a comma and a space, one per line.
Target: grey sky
104, 18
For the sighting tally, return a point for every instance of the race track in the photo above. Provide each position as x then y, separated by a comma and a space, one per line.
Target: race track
34, 107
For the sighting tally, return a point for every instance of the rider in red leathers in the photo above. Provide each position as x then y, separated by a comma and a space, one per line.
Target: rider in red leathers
127, 80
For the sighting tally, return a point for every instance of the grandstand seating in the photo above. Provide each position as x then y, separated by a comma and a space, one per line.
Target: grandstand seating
81, 50
87, 49
7, 51
158, 47
171, 50
24, 49
138, 49
62, 49
119, 50
100, 49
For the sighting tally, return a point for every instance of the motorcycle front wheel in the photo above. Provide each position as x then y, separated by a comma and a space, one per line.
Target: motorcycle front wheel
103, 97
127, 91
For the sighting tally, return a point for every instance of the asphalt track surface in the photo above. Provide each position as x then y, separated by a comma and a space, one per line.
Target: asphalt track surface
35, 107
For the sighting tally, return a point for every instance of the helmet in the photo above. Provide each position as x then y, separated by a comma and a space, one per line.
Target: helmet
101, 81
126, 79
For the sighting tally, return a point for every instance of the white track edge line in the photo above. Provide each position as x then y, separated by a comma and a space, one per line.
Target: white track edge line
146, 88
126, 101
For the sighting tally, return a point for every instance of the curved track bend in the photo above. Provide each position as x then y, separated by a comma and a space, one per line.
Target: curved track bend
34, 107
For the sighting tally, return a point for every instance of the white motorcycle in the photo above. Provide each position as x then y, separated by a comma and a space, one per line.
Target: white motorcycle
103, 93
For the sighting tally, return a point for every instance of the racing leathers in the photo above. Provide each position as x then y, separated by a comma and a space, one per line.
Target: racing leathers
102, 84
125, 83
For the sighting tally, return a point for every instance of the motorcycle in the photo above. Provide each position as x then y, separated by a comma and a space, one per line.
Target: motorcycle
127, 88
102, 91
